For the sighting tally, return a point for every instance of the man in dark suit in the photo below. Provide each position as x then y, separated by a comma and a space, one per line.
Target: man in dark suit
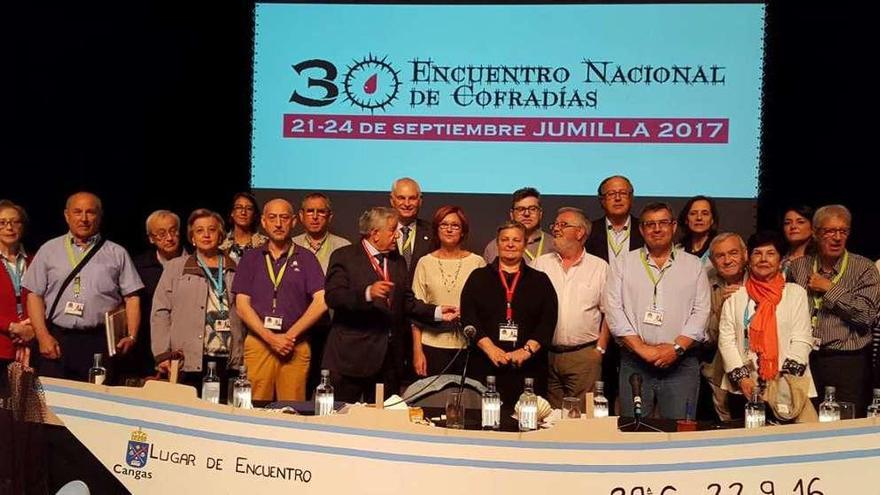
612, 236
368, 287
414, 236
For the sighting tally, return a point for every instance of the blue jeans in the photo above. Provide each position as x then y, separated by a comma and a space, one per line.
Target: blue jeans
672, 388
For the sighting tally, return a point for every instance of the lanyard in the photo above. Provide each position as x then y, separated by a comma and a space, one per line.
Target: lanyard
509, 290
616, 247
817, 300
655, 281
539, 251
276, 278
381, 271
16, 272
216, 284
74, 259
323, 252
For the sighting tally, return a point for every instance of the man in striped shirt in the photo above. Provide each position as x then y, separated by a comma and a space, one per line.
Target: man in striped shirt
844, 291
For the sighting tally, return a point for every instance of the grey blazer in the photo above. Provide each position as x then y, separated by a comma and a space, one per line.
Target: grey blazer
177, 319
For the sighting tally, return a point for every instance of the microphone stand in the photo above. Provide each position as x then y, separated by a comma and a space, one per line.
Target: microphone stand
636, 424
467, 357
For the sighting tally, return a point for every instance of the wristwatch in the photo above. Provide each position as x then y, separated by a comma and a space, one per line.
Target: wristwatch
679, 350
600, 349
528, 349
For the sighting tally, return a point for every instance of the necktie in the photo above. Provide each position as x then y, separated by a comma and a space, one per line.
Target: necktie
407, 246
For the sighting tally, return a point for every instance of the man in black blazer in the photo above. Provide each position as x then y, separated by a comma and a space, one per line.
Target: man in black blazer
615, 196
614, 234
415, 238
368, 287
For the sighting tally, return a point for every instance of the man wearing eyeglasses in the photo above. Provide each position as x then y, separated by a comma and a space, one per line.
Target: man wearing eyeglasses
279, 295
844, 289
658, 304
315, 215
526, 209
581, 335
611, 236
163, 234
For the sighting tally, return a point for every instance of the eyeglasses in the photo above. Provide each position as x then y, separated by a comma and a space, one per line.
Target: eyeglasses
206, 230
315, 212
10, 223
162, 234
522, 209
450, 226
616, 194
243, 208
829, 233
663, 224
562, 225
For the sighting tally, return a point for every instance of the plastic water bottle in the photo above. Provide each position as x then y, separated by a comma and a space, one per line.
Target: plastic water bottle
756, 414
600, 402
491, 406
528, 407
241, 390
874, 407
97, 373
211, 384
829, 409
324, 395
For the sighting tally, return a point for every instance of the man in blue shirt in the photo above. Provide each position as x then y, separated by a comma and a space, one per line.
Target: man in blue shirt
74, 332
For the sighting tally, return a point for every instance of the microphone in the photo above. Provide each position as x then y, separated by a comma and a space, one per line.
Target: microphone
469, 332
635, 381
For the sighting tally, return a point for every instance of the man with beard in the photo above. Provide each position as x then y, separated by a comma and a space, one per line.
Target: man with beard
279, 295
581, 334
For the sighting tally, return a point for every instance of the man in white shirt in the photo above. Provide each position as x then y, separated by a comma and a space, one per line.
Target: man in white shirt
658, 303
581, 335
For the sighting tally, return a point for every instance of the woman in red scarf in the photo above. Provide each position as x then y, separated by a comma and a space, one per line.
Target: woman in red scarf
765, 326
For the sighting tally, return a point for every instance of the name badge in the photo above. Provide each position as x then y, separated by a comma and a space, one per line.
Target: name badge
654, 317
73, 308
222, 326
508, 332
272, 323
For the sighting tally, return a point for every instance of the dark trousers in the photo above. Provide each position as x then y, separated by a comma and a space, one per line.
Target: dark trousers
352, 389
848, 371
78, 347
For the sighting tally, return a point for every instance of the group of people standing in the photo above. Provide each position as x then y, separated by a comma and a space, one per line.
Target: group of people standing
701, 315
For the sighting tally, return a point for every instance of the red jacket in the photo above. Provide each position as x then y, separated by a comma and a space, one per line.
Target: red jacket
8, 313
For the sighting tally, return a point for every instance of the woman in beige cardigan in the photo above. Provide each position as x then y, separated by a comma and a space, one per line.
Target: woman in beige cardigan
192, 306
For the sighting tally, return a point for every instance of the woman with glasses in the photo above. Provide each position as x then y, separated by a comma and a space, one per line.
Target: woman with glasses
15, 326
439, 278
765, 326
698, 222
193, 306
797, 226
245, 221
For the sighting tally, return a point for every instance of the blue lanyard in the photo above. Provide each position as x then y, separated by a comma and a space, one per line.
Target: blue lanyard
16, 271
216, 284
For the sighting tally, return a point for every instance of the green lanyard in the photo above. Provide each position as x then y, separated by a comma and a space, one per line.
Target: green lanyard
655, 281
74, 259
276, 278
539, 251
615, 247
817, 300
